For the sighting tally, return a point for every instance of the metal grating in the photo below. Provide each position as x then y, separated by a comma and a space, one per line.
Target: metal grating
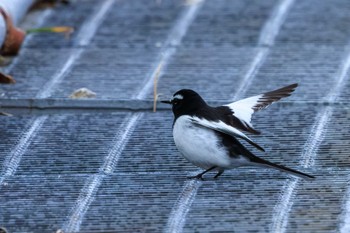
137, 26
75, 16
305, 24
33, 67
227, 23
89, 170
38, 203
199, 68
80, 139
136, 202
313, 67
97, 68
10, 133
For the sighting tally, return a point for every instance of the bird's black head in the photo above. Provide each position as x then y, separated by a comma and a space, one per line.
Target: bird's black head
185, 102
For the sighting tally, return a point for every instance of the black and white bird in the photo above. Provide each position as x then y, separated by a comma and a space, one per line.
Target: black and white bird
208, 136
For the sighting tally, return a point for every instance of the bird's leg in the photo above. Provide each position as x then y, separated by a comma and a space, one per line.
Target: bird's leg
199, 176
219, 174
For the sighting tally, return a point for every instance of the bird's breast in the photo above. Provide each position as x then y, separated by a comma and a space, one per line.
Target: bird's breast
198, 144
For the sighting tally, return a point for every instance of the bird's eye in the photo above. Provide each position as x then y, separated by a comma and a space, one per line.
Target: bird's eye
175, 101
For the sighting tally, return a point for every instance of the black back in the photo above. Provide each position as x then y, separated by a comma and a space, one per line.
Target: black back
192, 104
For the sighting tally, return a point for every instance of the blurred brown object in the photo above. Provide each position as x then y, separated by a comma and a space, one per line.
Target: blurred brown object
14, 36
7, 79
48, 3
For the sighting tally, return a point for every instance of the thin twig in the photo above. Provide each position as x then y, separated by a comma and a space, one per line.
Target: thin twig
5, 114
155, 86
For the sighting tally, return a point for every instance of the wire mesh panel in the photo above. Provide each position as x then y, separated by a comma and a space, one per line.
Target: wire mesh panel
81, 169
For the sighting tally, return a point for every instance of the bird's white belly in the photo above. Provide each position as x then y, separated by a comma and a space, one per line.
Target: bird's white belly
199, 145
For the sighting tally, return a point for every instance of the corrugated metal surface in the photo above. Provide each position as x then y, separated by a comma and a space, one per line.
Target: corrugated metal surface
79, 168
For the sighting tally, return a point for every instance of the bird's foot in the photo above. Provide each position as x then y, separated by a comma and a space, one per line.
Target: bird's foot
219, 174
198, 177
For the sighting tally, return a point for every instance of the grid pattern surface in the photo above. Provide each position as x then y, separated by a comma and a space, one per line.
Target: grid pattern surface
80, 168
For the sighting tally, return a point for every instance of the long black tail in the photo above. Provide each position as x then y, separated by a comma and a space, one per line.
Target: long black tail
238, 148
266, 163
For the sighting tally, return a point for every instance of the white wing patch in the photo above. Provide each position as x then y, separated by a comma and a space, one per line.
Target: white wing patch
224, 128
243, 109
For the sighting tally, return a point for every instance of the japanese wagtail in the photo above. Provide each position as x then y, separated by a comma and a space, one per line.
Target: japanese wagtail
208, 136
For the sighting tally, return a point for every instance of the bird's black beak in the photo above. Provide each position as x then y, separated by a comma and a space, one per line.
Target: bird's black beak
166, 101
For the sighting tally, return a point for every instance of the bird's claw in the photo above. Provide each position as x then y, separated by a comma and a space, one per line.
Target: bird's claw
198, 177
